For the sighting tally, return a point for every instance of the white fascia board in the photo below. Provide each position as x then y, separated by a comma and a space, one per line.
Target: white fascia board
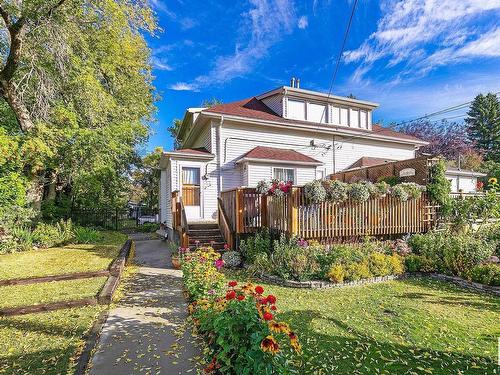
464, 173
335, 130
185, 155
275, 161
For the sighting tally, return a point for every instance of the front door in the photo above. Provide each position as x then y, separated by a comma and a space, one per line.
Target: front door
191, 192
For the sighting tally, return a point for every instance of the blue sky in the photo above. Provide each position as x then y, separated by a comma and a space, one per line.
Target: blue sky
413, 57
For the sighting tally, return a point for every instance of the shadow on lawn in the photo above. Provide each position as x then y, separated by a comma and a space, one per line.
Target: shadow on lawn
55, 361
360, 354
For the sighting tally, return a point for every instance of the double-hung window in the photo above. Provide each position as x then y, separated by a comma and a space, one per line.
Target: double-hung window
284, 174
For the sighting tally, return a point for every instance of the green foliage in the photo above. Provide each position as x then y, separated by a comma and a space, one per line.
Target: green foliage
358, 271
390, 180
488, 274
378, 264
290, 260
400, 192
336, 191
336, 273
47, 235
439, 187
148, 227
450, 253
231, 258
359, 192
479, 208
13, 188
254, 245
483, 125
85, 235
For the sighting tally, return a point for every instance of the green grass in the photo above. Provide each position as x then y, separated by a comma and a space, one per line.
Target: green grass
55, 291
62, 260
44, 343
413, 326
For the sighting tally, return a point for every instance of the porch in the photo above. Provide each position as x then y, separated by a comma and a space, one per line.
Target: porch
243, 210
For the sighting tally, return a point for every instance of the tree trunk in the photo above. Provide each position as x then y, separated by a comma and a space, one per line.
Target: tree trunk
8, 92
51, 189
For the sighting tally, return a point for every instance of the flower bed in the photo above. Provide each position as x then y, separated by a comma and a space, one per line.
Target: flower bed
241, 325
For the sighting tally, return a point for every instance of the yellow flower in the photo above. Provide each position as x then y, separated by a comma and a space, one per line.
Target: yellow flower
280, 327
492, 180
294, 341
269, 344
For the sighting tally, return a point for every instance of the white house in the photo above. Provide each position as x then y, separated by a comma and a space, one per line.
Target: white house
463, 181
287, 133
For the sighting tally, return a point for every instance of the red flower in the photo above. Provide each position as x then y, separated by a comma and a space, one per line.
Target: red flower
267, 316
240, 297
271, 299
273, 307
230, 295
232, 283
259, 289
226, 246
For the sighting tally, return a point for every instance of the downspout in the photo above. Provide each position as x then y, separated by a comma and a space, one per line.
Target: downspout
334, 161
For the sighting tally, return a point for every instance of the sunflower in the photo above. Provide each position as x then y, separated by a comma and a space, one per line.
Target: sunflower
492, 180
280, 327
269, 344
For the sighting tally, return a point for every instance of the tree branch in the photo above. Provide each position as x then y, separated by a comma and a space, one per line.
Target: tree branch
5, 17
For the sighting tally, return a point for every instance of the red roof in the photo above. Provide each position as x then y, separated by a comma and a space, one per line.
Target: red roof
367, 161
271, 153
193, 151
255, 109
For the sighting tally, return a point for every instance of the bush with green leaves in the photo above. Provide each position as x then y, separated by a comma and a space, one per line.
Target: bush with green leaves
256, 244
336, 191
48, 235
439, 188
488, 274
148, 227
315, 192
400, 192
85, 235
381, 189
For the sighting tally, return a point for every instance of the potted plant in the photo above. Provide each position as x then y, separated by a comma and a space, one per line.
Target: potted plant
175, 255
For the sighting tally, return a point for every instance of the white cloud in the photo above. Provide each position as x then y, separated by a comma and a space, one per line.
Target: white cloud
183, 86
188, 23
423, 34
303, 22
263, 26
161, 64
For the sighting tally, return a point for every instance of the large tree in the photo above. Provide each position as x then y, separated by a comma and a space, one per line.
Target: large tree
76, 89
483, 125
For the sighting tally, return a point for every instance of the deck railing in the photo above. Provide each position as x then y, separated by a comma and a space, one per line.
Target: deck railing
293, 214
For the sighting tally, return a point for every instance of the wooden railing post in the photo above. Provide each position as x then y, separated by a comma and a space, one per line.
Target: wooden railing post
293, 212
263, 211
239, 206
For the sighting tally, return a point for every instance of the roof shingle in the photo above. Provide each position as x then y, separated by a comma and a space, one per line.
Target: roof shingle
272, 153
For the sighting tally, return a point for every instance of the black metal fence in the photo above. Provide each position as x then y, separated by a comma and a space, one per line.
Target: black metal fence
114, 218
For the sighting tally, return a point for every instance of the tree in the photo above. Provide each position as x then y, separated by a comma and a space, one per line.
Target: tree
146, 179
448, 139
174, 130
81, 70
483, 125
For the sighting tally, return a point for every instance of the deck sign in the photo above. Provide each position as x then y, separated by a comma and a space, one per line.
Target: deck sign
407, 172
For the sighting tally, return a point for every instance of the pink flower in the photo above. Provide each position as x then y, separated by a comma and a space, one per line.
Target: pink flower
219, 263
226, 246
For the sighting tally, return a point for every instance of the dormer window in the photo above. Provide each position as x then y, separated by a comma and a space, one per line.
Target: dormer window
316, 113
296, 109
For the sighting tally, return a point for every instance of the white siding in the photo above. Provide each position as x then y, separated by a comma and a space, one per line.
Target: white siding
275, 102
465, 183
204, 138
262, 171
165, 198
316, 113
347, 151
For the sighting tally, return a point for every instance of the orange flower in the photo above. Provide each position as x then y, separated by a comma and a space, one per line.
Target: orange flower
294, 341
259, 289
280, 327
269, 344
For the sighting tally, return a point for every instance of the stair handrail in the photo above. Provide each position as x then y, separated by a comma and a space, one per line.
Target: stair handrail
227, 232
184, 225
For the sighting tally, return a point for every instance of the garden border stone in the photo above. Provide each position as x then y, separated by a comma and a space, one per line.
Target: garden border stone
44, 279
466, 284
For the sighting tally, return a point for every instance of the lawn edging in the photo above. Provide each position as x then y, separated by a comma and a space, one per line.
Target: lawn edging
104, 297
45, 279
321, 284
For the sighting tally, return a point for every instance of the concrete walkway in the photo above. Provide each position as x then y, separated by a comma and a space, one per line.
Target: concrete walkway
146, 332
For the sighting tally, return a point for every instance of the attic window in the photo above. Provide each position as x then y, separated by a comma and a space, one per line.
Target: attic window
316, 113
296, 109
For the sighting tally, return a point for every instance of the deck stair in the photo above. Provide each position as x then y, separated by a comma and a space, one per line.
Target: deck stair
207, 233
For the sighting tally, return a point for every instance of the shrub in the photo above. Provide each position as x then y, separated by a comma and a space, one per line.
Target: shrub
86, 235
413, 190
381, 188
390, 180
244, 332
148, 227
260, 265
260, 243
358, 271
396, 264
336, 273
291, 261
200, 273
379, 264
232, 259
359, 192
439, 187
336, 191
314, 191
462, 253
47, 235
488, 274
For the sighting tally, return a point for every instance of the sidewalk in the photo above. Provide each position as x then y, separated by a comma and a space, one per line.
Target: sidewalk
146, 332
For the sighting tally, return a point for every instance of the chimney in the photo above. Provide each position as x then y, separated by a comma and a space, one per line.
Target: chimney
292, 82
298, 83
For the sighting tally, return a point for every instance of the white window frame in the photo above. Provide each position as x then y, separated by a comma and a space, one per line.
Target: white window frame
294, 173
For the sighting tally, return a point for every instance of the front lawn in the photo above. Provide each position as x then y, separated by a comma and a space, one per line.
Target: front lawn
55, 291
62, 260
44, 343
413, 326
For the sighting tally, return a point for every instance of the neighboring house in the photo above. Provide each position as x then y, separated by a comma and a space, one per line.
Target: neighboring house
287, 133
463, 181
